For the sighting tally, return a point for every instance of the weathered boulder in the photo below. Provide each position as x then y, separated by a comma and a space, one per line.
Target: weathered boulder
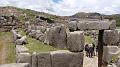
72, 25
32, 33
24, 58
34, 60
97, 25
21, 41
75, 41
111, 37
42, 37
44, 60
48, 37
21, 49
41, 28
16, 35
109, 52
66, 59
56, 36
15, 65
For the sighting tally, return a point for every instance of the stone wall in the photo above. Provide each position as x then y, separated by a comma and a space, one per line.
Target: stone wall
8, 22
60, 58
111, 51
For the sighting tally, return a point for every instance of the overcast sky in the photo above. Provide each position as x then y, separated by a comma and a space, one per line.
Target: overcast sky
66, 7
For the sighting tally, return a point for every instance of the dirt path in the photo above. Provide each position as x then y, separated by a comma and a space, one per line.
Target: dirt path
4, 54
7, 51
90, 62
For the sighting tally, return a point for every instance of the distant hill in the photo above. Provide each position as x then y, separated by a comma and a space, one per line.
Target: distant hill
97, 16
27, 14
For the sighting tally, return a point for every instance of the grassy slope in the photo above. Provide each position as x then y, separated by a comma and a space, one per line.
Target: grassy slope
6, 42
37, 46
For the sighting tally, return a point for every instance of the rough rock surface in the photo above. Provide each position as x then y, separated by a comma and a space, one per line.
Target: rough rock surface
24, 58
97, 25
21, 49
111, 37
75, 41
67, 59
109, 52
44, 60
72, 25
56, 36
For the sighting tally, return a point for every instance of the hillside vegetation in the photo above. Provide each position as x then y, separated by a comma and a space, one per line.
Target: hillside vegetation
27, 14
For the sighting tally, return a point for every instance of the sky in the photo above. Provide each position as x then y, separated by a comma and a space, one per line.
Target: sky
66, 7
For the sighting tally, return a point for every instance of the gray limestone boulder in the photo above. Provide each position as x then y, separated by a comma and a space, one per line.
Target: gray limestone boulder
34, 60
111, 37
21, 41
65, 58
44, 60
96, 25
23, 58
56, 36
41, 28
72, 25
75, 41
109, 52
32, 33
21, 49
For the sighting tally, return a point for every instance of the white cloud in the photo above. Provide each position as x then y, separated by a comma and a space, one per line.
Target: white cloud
67, 7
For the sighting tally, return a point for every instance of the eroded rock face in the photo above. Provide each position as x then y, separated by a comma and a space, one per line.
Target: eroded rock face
111, 37
21, 41
44, 60
24, 58
96, 25
109, 52
34, 60
72, 25
15, 65
66, 59
75, 41
56, 36
21, 49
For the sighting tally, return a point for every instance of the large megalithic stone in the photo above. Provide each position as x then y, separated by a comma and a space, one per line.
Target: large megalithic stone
110, 53
96, 25
64, 58
21, 49
75, 41
23, 58
34, 62
72, 25
111, 37
44, 59
56, 36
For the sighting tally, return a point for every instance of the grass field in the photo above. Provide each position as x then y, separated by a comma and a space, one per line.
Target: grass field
7, 48
88, 39
37, 46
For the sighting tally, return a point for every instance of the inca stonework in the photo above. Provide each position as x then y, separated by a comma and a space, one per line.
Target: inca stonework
69, 38
8, 22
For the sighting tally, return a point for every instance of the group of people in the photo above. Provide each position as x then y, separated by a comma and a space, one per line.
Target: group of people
90, 50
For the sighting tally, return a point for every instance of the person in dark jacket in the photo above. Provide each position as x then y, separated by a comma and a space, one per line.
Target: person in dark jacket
87, 50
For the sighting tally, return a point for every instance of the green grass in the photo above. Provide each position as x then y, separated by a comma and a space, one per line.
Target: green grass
37, 46
88, 39
6, 42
